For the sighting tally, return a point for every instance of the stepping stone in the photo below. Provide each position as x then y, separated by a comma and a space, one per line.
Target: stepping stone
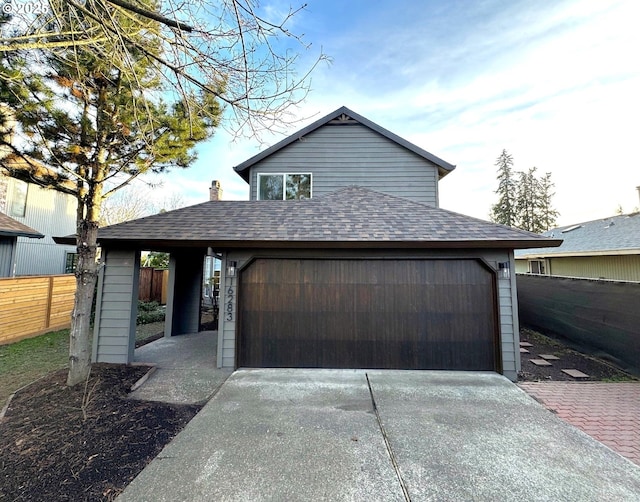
575, 373
540, 362
549, 357
523, 350
526, 344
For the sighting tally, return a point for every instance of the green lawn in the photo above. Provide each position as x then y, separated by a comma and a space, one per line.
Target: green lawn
25, 361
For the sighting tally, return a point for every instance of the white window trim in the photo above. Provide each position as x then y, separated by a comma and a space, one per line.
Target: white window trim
545, 264
284, 182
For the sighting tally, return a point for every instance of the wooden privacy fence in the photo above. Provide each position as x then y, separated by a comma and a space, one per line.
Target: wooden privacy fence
598, 315
152, 285
30, 306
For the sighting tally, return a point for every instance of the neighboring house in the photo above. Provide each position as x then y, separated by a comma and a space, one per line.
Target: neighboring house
602, 249
48, 212
341, 259
10, 230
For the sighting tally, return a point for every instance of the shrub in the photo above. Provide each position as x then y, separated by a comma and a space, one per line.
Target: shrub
149, 312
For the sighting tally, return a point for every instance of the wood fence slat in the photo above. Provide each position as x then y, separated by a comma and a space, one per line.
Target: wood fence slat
31, 306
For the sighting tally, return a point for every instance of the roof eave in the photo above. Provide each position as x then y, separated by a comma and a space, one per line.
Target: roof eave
579, 254
325, 244
66, 240
11, 233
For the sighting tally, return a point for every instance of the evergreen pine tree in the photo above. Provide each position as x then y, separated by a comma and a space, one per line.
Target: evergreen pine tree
88, 118
503, 211
524, 199
548, 215
527, 201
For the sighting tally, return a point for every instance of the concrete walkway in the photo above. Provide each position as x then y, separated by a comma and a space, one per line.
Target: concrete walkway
186, 371
608, 412
294, 434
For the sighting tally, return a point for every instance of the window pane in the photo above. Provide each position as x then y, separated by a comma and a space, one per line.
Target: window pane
71, 263
298, 186
19, 198
270, 187
536, 267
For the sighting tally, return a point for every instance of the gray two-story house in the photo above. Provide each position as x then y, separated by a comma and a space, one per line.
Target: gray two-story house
341, 259
49, 213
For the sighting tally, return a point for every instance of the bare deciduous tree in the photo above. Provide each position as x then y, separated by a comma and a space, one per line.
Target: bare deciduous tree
125, 205
197, 46
103, 91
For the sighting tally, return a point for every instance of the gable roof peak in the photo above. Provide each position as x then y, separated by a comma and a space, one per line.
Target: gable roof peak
343, 116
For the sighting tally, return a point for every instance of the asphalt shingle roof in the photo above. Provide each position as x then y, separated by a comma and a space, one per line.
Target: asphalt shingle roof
13, 228
614, 235
349, 217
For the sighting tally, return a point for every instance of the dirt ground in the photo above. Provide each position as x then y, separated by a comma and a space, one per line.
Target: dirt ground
61, 444
87, 444
597, 369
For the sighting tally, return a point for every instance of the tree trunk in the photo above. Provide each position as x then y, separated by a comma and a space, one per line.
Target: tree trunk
86, 277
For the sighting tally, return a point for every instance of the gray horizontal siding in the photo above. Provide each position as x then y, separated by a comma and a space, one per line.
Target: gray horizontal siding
7, 245
116, 308
41, 256
339, 156
52, 214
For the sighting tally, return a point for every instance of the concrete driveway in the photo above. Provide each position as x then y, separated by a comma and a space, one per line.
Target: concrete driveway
380, 435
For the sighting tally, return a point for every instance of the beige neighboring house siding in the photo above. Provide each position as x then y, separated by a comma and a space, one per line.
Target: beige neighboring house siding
611, 267
522, 266
618, 268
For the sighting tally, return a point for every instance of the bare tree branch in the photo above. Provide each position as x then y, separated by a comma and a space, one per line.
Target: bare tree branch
228, 48
152, 15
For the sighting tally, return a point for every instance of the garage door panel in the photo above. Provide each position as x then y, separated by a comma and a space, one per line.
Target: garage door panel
422, 314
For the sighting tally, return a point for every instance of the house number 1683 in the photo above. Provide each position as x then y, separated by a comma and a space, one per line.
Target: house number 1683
228, 306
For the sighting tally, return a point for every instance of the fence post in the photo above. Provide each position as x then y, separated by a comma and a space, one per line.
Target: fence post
47, 320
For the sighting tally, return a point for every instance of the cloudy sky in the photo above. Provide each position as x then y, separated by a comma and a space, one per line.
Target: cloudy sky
557, 84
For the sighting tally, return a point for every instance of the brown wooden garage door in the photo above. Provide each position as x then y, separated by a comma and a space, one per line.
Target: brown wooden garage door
411, 314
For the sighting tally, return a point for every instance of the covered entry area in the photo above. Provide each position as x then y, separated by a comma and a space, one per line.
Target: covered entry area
368, 313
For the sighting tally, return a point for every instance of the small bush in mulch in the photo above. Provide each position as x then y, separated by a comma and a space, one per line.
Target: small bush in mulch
60, 443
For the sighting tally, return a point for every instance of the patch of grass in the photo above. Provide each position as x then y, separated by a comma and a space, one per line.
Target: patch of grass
620, 378
27, 360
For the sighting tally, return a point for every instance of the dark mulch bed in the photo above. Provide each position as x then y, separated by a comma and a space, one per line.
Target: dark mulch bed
597, 369
60, 443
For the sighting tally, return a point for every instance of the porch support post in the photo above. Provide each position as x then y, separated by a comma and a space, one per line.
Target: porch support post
114, 334
184, 292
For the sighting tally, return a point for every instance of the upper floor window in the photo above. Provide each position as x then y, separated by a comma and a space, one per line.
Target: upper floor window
284, 186
19, 198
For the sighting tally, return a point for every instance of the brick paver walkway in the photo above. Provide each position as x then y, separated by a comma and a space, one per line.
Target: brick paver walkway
608, 412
